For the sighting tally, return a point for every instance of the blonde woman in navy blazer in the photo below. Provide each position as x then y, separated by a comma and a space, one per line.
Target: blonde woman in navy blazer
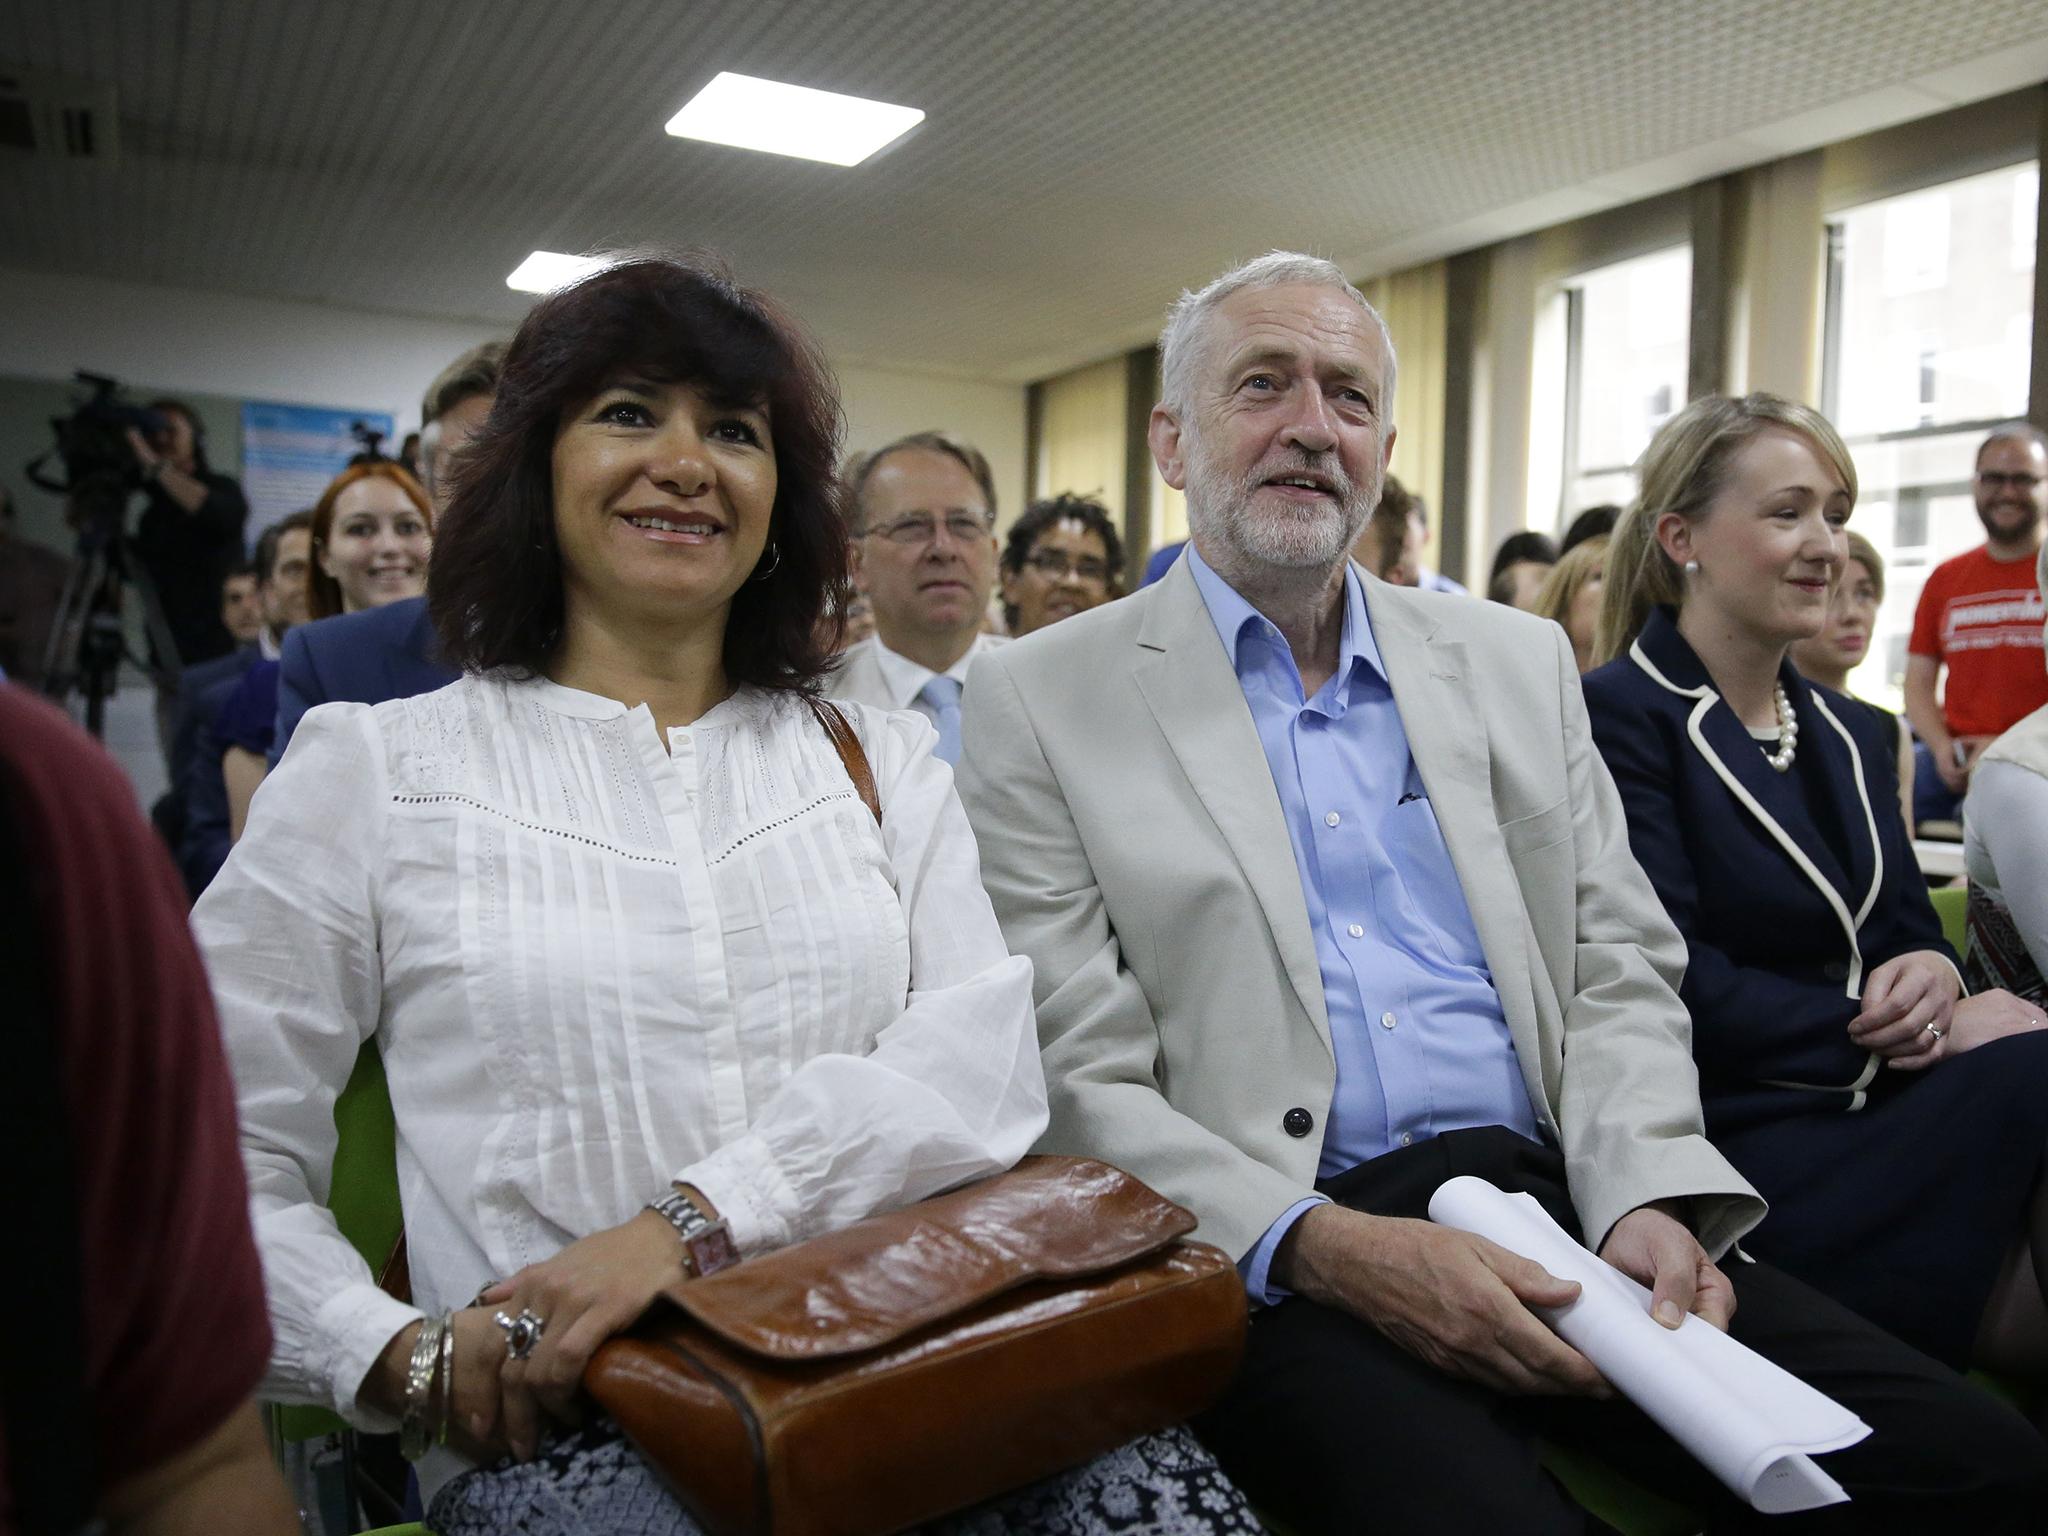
1896, 1129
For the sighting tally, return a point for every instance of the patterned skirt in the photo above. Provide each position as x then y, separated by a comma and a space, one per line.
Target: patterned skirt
593, 1481
1996, 955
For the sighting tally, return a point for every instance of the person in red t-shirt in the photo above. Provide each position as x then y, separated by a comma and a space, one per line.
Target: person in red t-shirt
1980, 616
133, 1300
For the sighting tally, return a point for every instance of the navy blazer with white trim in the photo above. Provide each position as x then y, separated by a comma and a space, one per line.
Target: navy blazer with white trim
1789, 888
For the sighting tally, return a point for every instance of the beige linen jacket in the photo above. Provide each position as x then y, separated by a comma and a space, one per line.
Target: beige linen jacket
1135, 850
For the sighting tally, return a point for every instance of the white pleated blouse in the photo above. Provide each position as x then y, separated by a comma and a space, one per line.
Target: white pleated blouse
594, 967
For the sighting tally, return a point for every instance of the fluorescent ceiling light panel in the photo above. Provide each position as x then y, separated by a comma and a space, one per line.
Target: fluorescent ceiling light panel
791, 120
545, 271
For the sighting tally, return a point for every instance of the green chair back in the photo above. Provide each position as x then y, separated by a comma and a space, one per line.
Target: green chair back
363, 1195
1951, 902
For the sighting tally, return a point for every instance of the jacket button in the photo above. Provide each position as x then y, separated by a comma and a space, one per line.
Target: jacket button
1297, 1122
1836, 970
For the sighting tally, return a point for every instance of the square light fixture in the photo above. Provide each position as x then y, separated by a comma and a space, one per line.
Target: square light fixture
545, 271
791, 120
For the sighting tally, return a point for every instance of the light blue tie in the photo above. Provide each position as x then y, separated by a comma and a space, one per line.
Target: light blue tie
941, 699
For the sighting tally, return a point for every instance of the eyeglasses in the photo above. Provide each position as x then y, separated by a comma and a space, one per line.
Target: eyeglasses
1054, 566
966, 527
1996, 480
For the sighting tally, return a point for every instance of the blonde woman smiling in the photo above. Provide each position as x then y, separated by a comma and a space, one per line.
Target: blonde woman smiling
1896, 1128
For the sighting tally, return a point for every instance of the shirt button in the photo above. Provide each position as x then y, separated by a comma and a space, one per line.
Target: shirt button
1356, 930
1386, 1021
1332, 819
1407, 1138
1297, 1122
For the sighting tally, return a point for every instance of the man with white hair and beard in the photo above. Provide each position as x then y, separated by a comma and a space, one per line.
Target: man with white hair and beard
1330, 899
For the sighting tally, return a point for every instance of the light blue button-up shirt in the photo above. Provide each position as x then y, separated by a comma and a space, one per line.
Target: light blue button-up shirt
1421, 1041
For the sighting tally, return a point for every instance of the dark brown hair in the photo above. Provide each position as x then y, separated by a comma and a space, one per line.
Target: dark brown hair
323, 592
494, 586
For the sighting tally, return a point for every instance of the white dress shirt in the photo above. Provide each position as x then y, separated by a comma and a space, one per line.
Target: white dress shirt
594, 967
871, 673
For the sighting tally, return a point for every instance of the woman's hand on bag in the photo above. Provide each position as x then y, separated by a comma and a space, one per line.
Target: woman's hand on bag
1901, 999
1992, 1015
589, 1291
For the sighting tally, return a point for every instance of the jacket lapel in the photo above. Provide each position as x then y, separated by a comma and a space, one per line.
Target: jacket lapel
1761, 790
1192, 689
1826, 734
1433, 689
1774, 796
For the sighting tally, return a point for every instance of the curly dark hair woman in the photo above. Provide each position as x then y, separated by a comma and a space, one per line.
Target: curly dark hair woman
1063, 557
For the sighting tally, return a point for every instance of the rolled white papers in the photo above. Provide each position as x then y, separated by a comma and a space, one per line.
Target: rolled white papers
1754, 1426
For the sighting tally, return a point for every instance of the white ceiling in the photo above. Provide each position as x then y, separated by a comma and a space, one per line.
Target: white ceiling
1079, 162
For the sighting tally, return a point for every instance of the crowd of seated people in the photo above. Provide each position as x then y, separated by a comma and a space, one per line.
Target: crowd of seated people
1287, 883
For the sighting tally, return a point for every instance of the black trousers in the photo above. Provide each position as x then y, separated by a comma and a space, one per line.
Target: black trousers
1331, 1428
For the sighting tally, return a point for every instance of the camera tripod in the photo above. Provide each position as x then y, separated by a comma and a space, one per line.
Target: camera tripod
89, 640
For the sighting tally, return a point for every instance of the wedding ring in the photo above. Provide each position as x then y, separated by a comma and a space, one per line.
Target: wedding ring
521, 1332
1932, 1030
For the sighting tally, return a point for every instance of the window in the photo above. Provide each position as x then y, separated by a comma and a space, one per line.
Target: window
1929, 332
1625, 359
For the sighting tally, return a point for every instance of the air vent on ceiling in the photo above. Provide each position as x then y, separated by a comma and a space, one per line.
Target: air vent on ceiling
58, 117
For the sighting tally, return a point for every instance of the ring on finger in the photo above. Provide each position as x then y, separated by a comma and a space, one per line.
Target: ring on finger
1936, 1031
521, 1332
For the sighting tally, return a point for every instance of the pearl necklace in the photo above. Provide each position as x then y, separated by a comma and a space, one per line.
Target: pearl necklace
1788, 733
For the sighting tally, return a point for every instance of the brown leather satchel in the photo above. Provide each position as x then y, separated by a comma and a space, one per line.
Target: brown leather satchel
919, 1362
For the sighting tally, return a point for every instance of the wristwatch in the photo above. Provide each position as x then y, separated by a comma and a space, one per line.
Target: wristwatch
707, 1241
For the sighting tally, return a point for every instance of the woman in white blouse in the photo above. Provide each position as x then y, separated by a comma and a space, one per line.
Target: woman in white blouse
2005, 854
619, 923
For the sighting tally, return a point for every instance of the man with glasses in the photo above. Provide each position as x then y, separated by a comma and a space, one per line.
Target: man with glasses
1980, 617
924, 511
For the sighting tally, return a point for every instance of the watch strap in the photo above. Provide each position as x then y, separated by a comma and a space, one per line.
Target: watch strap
707, 1240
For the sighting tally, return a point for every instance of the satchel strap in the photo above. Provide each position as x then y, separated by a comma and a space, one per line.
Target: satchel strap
851, 755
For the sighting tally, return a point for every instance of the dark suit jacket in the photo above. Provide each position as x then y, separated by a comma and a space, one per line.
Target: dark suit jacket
203, 841
191, 713
358, 658
194, 684
1789, 888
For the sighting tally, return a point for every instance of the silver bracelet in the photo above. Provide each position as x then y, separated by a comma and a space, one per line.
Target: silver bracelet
419, 1387
446, 1375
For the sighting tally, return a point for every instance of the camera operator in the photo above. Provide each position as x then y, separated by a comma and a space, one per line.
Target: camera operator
190, 535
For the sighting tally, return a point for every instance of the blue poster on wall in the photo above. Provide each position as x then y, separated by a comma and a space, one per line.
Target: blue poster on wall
290, 452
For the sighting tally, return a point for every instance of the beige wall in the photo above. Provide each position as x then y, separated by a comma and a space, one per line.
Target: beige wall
1081, 435
884, 404
1413, 305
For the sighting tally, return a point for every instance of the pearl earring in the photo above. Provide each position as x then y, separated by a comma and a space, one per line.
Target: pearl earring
1692, 569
